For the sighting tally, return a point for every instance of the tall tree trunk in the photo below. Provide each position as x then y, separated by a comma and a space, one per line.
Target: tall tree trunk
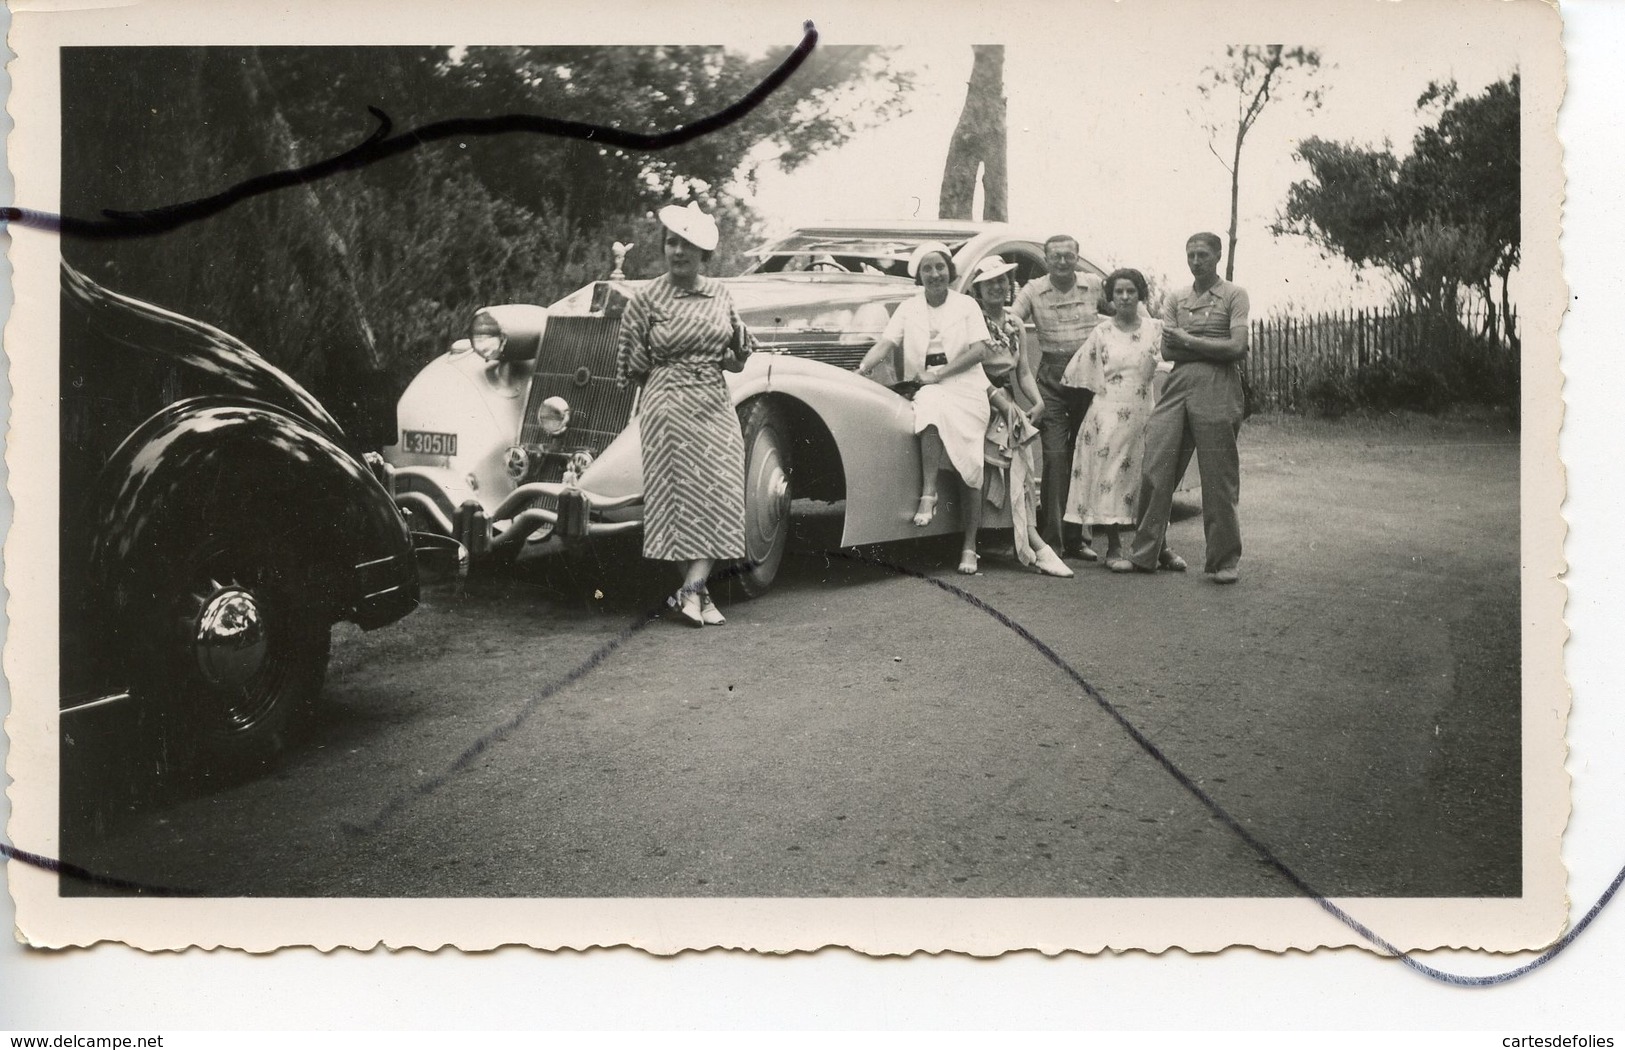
979, 144
1235, 198
283, 153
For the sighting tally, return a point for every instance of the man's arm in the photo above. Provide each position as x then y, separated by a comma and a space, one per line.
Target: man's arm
1205, 348
1023, 306
1180, 345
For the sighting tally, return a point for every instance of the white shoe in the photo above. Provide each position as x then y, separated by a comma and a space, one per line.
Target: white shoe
687, 605
710, 615
1049, 563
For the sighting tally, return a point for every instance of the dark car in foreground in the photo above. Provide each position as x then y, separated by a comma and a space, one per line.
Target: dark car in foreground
215, 522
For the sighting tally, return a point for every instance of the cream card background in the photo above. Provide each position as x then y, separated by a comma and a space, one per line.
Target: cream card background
866, 988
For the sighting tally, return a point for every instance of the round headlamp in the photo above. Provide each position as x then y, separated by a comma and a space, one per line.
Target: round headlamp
486, 336
553, 415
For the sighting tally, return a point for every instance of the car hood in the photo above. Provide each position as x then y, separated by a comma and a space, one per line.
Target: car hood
783, 308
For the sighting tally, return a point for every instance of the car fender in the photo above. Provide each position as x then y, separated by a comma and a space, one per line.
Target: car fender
618, 470
230, 463
873, 431
873, 428
482, 404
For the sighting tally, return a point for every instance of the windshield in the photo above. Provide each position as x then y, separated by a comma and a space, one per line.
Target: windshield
848, 253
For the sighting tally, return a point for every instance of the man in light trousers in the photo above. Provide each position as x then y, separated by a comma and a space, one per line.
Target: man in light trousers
1200, 411
1064, 307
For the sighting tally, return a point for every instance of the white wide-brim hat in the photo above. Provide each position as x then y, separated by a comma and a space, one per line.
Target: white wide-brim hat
691, 224
989, 268
922, 251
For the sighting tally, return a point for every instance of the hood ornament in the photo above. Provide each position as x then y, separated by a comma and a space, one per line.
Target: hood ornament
619, 250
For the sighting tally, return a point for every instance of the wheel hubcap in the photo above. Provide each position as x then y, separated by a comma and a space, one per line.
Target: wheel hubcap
229, 638
766, 512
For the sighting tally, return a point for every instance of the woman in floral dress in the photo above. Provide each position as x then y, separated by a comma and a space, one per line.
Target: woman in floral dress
1117, 362
1008, 471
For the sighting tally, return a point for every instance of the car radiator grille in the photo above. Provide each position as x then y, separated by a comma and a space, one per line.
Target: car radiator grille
599, 410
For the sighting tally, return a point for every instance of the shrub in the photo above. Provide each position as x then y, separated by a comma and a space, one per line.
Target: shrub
1417, 364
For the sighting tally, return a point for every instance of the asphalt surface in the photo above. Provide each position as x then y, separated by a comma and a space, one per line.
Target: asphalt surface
880, 725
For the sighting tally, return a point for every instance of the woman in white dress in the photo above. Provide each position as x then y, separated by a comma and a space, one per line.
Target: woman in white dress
944, 338
1117, 362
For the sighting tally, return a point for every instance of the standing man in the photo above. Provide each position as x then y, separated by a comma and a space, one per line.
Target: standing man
1205, 335
1064, 306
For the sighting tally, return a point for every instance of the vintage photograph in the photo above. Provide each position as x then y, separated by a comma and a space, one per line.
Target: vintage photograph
972, 474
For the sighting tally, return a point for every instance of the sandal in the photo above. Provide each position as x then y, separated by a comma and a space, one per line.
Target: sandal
967, 563
1046, 561
710, 615
926, 510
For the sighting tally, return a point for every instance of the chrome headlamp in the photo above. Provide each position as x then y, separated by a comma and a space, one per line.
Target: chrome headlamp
486, 336
508, 333
553, 415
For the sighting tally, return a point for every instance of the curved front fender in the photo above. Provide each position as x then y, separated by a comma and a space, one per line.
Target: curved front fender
226, 464
478, 402
618, 471
874, 430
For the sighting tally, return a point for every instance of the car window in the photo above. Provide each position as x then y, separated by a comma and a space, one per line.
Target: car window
833, 252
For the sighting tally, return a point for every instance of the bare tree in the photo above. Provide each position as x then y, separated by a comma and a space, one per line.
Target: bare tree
1256, 74
979, 144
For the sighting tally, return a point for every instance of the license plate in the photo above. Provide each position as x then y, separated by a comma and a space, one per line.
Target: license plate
429, 443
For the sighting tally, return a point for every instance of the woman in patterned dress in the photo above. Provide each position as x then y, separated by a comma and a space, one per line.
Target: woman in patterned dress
943, 337
1117, 362
1007, 472
678, 333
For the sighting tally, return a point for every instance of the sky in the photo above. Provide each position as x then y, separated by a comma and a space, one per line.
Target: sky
1109, 146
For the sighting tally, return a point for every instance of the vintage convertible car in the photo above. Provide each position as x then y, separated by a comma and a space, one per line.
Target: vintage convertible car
519, 433
215, 523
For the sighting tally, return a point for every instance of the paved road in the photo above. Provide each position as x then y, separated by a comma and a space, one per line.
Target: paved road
873, 727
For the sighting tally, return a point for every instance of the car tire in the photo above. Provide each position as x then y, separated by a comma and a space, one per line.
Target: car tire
233, 640
767, 498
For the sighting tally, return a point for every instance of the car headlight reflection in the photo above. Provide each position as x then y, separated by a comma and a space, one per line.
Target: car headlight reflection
486, 336
552, 416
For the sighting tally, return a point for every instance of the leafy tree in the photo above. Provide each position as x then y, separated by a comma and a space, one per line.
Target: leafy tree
979, 144
372, 272
1444, 218
1252, 75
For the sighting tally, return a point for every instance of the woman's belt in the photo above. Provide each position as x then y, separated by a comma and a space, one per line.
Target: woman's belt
936, 360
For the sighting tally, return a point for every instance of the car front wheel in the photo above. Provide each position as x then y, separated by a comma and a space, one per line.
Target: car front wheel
236, 653
767, 497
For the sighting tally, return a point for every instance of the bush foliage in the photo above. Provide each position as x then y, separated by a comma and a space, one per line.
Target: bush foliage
353, 282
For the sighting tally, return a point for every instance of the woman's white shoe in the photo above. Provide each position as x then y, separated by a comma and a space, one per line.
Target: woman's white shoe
1049, 563
687, 604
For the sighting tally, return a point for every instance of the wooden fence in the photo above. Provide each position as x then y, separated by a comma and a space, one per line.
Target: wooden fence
1289, 356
